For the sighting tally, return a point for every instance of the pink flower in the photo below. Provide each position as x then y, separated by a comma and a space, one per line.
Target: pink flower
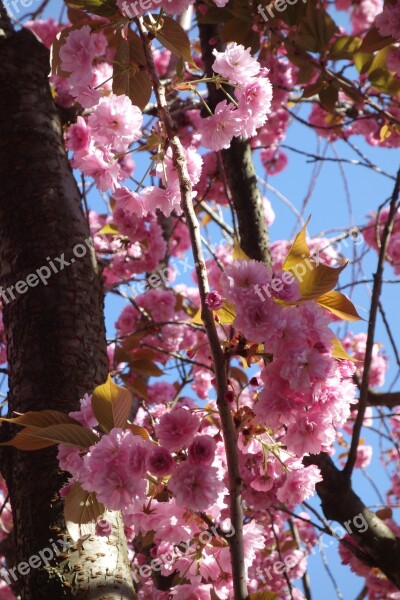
166, 200
78, 136
285, 286
309, 432
45, 29
254, 105
364, 455
161, 392
129, 202
6, 592
236, 64
103, 528
304, 366
259, 319
242, 278
299, 485
115, 469
77, 54
160, 462
214, 300
218, 130
116, 122
388, 21
202, 450
177, 428
70, 460
99, 165
195, 486
85, 415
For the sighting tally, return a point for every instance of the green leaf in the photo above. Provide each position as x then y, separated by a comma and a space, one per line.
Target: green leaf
35, 438
109, 229
318, 281
226, 313
315, 30
239, 375
345, 47
111, 405
41, 418
264, 596
238, 253
375, 41
339, 352
174, 37
338, 304
104, 8
299, 250
81, 511
146, 367
328, 97
214, 15
363, 61
129, 77
139, 431
241, 32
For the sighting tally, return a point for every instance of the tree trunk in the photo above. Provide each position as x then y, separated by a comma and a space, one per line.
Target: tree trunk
55, 329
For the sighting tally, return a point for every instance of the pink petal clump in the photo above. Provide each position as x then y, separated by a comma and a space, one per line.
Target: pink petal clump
195, 486
177, 428
236, 64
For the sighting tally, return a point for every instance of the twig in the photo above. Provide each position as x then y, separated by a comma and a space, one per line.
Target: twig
180, 164
376, 291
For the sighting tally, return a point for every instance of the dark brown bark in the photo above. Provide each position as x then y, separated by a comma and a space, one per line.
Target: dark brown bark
55, 332
340, 503
238, 167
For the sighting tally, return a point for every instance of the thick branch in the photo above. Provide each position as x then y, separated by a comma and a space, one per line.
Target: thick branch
341, 504
55, 328
235, 482
388, 399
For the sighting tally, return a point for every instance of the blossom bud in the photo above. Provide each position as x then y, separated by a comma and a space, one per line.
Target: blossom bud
214, 300
229, 396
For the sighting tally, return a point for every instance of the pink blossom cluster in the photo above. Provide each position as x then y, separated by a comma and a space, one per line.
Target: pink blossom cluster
100, 140
388, 21
163, 484
307, 393
253, 98
355, 345
373, 232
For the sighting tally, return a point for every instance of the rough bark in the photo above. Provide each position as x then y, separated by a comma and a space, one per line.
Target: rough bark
55, 332
238, 167
340, 503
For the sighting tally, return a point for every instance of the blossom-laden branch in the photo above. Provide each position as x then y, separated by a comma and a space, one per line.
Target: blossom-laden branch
220, 365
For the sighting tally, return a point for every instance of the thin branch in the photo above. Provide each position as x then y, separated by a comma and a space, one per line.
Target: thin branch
376, 291
180, 164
